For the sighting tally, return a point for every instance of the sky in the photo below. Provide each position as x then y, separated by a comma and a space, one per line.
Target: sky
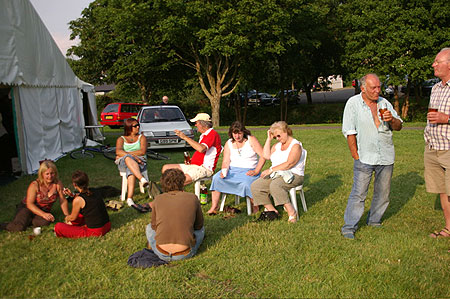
56, 15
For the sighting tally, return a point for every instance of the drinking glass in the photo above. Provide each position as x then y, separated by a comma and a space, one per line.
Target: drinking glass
382, 108
433, 107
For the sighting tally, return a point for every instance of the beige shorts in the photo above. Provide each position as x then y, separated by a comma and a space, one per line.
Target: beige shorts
196, 172
437, 180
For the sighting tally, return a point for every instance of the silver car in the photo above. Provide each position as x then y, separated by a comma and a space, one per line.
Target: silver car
158, 123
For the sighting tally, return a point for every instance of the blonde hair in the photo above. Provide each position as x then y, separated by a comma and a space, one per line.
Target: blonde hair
45, 165
281, 125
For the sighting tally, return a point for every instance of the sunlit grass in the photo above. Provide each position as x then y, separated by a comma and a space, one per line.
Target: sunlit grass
243, 258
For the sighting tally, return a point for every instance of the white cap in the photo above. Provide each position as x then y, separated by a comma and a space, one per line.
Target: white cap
201, 116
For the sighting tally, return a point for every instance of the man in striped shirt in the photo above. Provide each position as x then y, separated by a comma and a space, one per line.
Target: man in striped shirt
369, 138
437, 139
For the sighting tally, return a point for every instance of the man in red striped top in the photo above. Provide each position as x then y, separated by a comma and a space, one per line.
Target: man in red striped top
207, 150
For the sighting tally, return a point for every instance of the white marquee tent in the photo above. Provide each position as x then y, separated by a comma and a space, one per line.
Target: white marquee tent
47, 97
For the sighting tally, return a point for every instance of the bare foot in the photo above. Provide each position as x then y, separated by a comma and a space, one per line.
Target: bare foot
211, 212
444, 233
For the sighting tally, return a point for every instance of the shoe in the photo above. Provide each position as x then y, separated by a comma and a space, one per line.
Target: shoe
231, 210
268, 216
141, 208
444, 233
349, 235
130, 202
293, 218
3, 225
144, 182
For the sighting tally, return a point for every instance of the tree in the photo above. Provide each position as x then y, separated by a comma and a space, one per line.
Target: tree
394, 37
118, 43
216, 38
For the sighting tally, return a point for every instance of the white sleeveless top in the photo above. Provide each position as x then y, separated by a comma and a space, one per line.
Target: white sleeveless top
278, 157
245, 157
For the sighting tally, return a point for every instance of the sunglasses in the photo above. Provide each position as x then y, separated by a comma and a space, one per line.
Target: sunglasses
276, 136
136, 125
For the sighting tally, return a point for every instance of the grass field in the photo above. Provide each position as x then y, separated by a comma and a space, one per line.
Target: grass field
243, 258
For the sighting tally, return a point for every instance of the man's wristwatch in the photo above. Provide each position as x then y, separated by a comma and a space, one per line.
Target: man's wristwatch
448, 120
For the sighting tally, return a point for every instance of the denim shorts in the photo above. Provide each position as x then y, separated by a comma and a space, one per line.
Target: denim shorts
123, 166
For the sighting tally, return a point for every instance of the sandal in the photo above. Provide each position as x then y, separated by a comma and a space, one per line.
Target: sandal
293, 218
444, 233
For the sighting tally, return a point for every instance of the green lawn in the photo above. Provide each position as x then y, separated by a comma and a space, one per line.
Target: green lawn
243, 258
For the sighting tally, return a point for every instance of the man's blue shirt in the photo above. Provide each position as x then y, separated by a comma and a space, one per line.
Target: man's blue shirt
375, 146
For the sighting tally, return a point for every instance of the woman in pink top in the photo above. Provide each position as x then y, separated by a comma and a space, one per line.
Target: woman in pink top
42, 193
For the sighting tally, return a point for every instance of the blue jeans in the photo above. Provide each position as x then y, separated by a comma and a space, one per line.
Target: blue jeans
198, 234
362, 174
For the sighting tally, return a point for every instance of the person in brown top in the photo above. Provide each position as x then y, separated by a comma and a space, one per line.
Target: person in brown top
176, 230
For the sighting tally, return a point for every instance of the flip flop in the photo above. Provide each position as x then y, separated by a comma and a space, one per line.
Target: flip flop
293, 218
439, 234
141, 208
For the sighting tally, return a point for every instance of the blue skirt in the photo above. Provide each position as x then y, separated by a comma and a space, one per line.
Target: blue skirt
236, 182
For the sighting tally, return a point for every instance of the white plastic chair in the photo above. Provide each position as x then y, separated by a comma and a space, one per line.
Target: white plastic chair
237, 200
123, 174
293, 191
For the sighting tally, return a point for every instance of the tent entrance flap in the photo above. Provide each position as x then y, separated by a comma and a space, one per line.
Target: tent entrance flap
7, 132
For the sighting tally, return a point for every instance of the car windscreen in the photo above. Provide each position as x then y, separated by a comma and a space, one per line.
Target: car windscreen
111, 108
161, 114
126, 108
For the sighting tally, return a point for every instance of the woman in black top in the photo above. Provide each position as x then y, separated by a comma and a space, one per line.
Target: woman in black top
89, 216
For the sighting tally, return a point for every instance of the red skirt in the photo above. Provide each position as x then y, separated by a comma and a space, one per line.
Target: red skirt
79, 230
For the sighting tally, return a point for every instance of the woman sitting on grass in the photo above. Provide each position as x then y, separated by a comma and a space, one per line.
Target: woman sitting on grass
176, 230
89, 217
42, 193
131, 151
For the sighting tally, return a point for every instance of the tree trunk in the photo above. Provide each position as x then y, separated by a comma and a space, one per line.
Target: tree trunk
282, 103
307, 90
405, 105
145, 93
244, 117
396, 102
217, 78
237, 106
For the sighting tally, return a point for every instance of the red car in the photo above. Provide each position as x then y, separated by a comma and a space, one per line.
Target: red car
115, 113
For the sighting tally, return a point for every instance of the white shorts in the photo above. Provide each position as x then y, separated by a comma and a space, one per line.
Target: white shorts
196, 172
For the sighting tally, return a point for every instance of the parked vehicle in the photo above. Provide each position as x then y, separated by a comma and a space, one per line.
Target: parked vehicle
356, 86
114, 114
291, 94
158, 123
261, 99
425, 87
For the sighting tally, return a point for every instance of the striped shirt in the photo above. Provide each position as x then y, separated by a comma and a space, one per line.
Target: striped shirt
437, 136
375, 145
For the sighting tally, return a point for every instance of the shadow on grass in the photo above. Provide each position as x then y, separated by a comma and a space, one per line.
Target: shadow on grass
403, 188
319, 190
220, 225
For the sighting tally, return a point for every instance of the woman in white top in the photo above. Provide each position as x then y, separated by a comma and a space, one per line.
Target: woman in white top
131, 151
286, 172
240, 166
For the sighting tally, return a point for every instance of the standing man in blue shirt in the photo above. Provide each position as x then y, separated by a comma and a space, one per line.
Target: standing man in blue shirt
369, 138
